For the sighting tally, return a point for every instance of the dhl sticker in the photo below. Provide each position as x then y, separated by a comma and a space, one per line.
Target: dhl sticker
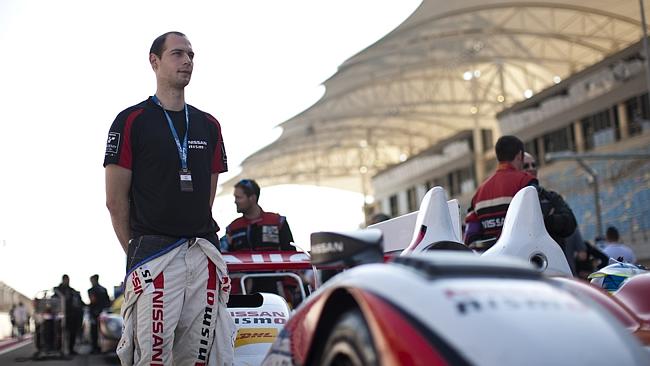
255, 335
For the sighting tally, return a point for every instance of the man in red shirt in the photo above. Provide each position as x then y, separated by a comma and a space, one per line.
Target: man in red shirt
487, 212
256, 229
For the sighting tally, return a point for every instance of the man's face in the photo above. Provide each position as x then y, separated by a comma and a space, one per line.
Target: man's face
175, 66
530, 165
242, 201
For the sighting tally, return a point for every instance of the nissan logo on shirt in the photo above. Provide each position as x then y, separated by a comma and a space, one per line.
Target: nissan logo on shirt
197, 144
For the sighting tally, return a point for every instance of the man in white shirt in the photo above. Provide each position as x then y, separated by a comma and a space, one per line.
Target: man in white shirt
616, 250
20, 316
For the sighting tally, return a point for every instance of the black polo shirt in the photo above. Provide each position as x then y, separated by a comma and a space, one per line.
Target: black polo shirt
140, 140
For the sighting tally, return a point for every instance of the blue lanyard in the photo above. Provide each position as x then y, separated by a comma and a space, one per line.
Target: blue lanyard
182, 149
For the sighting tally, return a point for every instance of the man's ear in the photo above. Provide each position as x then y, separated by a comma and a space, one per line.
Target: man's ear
153, 60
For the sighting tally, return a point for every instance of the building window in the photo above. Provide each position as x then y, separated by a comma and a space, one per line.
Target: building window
638, 115
452, 184
412, 198
394, 210
466, 180
488, 143
559, 140
600, 129
461, 181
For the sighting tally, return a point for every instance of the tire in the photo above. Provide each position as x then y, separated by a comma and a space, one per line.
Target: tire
349, 343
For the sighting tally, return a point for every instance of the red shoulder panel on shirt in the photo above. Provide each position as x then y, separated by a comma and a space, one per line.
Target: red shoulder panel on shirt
126, 153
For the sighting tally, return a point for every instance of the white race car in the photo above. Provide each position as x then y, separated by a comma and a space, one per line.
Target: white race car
436, 307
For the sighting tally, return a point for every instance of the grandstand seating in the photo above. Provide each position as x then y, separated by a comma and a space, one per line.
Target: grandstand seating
624, 196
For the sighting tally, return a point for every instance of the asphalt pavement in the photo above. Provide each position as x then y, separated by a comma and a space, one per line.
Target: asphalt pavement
22, 353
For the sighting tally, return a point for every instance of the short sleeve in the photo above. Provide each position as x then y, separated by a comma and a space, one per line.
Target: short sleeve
219, 160
118, 142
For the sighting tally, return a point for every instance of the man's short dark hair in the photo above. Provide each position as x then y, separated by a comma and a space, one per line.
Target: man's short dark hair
157, 47
94, 277
249, 186
508, 147
612, 234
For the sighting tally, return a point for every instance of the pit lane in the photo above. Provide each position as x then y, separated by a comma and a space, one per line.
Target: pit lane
21, 353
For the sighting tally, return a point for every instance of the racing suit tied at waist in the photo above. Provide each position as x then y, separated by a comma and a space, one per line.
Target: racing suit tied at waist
169, 310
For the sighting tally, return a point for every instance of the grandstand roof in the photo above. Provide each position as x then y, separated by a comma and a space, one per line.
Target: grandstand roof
451, 66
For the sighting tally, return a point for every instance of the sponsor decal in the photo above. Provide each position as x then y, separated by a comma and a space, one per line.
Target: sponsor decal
255, 335
139, 278
136, 283
206, 326
197, 144
492, 223
254, 313
112, 143
260, 321
327, 247
225, 284
472, 301
157, 317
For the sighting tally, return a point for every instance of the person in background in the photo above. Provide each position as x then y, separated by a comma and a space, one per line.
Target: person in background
559, 220
20, 317
12, 319
73, 306
256, 229
488, 208
99, 301
615, 249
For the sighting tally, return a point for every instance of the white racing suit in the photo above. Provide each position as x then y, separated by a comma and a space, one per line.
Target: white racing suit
175, 309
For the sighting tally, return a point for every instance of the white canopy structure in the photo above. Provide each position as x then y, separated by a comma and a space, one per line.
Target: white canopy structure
451, 66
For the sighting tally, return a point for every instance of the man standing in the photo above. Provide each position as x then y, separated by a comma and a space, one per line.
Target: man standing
163, 158
72, 311
19, 315
490, 202
256, 229
559, 220
616, 250
558, 217
98, 302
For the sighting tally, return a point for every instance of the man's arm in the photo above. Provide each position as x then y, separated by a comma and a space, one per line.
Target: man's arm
118, 184
214, 180
560, 221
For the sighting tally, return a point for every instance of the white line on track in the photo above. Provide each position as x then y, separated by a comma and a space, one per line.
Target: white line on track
16, 346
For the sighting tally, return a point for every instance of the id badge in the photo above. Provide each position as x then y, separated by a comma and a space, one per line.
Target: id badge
186, 181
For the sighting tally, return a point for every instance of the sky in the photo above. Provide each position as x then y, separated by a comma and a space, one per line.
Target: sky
69, 67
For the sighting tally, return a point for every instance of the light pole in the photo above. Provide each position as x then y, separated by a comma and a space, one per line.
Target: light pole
646, 48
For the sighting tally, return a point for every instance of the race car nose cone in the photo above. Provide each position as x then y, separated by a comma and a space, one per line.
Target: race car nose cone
434, 222
524, 236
